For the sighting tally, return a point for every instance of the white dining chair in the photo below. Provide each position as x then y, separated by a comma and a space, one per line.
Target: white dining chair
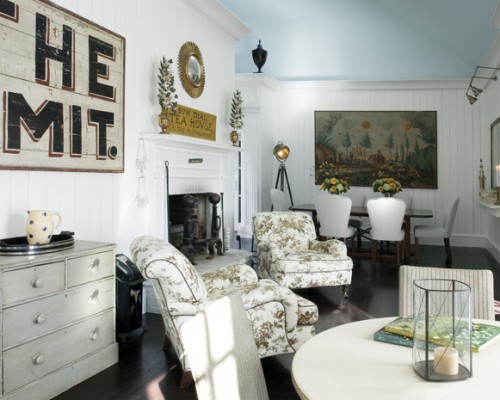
386, 216
369, 196
333, 213
358, 200
441, 231
278, 200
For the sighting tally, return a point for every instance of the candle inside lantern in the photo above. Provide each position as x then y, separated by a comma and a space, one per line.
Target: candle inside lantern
497, 175
446, 360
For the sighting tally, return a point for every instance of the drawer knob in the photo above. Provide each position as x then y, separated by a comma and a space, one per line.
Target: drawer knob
94, 268
39, 318
94, 335
37, 283
94, 298
38, 359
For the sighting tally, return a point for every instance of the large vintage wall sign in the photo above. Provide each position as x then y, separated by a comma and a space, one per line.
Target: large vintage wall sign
62, 81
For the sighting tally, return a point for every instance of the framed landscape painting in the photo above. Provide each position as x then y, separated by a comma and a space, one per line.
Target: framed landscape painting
361, 146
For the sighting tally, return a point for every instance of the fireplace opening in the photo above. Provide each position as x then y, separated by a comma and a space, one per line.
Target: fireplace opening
195, 224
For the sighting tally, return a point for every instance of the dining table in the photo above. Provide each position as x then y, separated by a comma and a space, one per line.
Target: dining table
345, 362
357, 211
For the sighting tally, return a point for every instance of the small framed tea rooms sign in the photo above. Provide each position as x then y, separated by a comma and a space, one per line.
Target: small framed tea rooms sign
62, 90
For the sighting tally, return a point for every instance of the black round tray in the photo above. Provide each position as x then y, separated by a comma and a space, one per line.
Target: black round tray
18, 246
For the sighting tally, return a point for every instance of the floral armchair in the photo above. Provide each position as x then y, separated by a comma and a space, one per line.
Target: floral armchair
289, 253
281, 320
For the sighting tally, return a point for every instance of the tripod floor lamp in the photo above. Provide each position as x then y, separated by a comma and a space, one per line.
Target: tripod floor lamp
281, 152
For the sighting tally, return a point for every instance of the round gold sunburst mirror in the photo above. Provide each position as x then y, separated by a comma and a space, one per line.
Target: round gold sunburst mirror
191, 69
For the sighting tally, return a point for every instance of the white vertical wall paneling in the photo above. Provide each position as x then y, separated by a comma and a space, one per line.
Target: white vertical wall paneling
102, 206
472, 122
458, 149
251, 158
93, 204
82, 207
107, 206
68, 200
19, 204
53, 194
5, 200
472, 163
36, 189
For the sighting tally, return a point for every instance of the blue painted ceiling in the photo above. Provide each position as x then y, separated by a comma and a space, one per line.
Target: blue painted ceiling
366, 39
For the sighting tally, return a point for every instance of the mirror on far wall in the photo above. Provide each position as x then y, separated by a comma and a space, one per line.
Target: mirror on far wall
495, 153
191, 69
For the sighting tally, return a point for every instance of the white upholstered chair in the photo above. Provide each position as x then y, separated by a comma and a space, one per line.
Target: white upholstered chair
333, 213
222, 354
289, 253
441, 231
358, 200
278, 200
281, 320
386, 216
480, 280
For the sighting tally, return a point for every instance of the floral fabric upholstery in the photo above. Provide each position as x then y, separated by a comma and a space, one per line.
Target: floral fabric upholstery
281, 320
289, 253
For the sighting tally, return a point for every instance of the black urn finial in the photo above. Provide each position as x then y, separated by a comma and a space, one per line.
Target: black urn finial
259, 57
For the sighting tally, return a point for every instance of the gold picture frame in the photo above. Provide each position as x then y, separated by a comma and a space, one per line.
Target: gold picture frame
191, 69
360, 146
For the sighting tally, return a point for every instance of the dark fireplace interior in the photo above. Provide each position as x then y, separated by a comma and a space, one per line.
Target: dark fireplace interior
195, 223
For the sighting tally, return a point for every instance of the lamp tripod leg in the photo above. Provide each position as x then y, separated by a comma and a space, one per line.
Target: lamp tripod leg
280, 179
287, 184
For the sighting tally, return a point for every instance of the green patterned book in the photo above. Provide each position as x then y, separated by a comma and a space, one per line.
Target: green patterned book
387, 337
482, 333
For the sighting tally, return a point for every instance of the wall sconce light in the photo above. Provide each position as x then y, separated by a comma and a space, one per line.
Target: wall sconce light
477, 91
473, 92
471, 98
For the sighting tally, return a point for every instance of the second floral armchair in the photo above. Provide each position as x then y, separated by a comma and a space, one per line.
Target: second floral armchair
289, 253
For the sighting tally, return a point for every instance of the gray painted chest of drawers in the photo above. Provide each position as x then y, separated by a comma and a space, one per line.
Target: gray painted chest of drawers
57, 319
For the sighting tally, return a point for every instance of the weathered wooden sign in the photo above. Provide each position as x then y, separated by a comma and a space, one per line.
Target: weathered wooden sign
190, 122
62, 80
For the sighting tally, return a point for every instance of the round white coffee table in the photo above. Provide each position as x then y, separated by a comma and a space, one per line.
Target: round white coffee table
346, 363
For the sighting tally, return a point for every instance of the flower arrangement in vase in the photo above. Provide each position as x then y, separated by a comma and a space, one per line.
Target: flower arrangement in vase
335, 186
236, 117
387, 186
166, 93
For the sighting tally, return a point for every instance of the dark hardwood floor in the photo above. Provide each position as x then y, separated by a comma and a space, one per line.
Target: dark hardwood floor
145, 371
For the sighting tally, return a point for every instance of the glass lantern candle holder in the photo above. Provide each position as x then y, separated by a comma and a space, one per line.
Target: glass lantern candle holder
442, 347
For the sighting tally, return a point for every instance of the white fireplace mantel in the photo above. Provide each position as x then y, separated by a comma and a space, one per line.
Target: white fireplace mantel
169, 140
194, 166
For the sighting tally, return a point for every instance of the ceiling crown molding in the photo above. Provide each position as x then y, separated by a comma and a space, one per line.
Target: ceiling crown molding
221, 16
